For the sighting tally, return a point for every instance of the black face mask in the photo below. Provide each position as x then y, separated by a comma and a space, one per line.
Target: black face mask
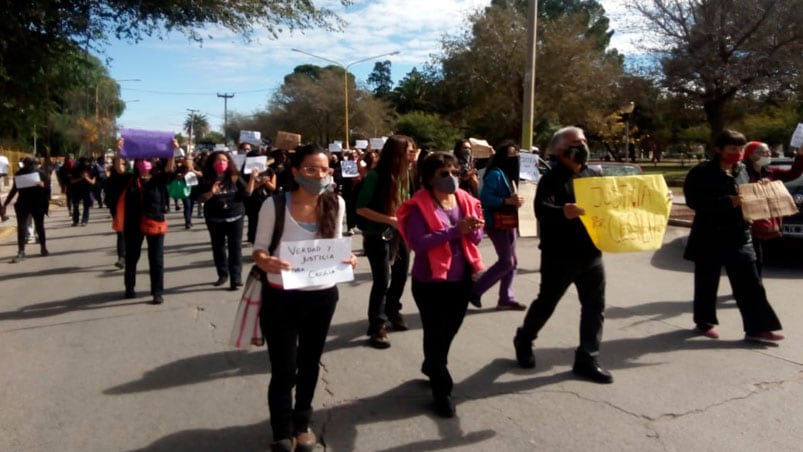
578, 154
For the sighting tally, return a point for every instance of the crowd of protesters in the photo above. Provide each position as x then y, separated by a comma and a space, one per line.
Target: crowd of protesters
404, 201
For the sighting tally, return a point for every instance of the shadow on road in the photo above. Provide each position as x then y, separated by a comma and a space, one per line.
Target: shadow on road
82, 303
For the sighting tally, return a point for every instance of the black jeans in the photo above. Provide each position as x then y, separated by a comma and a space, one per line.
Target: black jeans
86, 200
22, 213
751, 298
133, 249
442, 306
388, 278
295, 324
557, 273
227, 235
120, 236
188, 204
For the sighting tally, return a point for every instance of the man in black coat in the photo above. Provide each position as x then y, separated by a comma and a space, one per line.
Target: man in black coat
567, 256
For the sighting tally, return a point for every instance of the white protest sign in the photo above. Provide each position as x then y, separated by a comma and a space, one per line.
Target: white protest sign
528, 167
316, 262
361, 144
797, 137
348, 168
528, 224
377, 143
239, 160
191, 179
27, 180
335, 147
259, 162
251, 137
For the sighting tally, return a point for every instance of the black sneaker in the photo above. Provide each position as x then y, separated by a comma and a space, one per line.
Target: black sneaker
120, 263
19, 257
220, 281
524, 352
444, 407
129, 294
157, 299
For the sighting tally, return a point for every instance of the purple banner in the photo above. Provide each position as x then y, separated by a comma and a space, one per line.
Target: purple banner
143, 144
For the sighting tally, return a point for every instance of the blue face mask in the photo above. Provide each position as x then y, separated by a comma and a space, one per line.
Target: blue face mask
313, 185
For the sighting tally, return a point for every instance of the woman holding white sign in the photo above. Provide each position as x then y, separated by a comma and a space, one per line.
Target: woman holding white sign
446, 223
32, 186
295, 323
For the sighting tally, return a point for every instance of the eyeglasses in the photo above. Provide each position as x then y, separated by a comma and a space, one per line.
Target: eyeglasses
313, 171
446, 173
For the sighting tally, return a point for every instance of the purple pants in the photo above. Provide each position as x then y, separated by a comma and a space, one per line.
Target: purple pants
502, 271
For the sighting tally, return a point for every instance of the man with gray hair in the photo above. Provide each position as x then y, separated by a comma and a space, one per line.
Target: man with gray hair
567, 256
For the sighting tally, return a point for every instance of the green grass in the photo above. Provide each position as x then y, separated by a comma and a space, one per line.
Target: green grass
673, 171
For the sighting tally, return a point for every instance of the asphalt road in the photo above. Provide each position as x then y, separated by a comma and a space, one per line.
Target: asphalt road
85, 370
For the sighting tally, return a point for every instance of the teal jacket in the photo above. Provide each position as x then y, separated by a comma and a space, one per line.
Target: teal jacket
495, 188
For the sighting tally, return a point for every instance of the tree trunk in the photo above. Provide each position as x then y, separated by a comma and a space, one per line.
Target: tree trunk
715, 114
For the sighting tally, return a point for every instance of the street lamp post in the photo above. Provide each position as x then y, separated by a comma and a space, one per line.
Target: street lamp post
192, 123
627, 111
346, 81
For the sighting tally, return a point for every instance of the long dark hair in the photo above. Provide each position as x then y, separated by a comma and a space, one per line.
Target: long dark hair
393, 170
209, 168
328, 203
500, 159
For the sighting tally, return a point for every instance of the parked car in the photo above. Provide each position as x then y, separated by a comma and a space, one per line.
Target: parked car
792, 226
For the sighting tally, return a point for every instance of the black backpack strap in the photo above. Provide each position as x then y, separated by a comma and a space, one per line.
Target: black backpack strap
279, 205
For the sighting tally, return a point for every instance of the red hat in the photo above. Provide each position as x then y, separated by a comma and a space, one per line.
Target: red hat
752, 147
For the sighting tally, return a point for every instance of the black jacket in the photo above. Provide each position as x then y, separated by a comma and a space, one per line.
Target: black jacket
559, 235
718, 227
31, 199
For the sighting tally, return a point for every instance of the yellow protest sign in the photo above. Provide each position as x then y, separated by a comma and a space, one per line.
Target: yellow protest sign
624, 213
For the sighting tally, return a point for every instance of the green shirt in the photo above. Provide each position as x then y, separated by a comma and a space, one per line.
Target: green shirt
364, 199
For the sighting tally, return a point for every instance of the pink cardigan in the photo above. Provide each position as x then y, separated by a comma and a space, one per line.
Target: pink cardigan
440, 257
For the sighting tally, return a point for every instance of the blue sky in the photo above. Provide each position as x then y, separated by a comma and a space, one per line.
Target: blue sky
175, 74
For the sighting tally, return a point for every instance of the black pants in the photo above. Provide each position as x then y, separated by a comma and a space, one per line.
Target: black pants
295, 324
86, 200
133, 249
227, 235
751, 298
557, 273
22, 213
120, 236
442, 306
760, 248
188, 204
252, 207
388, 278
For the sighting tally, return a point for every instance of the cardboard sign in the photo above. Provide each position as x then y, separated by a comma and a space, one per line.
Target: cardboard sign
251, 137
287, 141
361, 144
480, 149
528, 167
348, 168
145, 144
624, 213
316, 262
765, 201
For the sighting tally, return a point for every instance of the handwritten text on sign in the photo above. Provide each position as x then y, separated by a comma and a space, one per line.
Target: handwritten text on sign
316, 262
624, 213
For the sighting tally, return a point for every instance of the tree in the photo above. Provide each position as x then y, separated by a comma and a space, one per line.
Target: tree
311, 102
713, 51
482, 72
415, 92
380, 79
36, 36
429, 130
196, 125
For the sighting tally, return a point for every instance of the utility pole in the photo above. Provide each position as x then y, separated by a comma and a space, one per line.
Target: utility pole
226, 98
528, 102
190, 147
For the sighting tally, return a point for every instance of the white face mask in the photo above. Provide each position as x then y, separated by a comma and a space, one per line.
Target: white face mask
763, 161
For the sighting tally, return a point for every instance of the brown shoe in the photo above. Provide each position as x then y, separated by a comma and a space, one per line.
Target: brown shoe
379, 338
305, 441
397, 322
